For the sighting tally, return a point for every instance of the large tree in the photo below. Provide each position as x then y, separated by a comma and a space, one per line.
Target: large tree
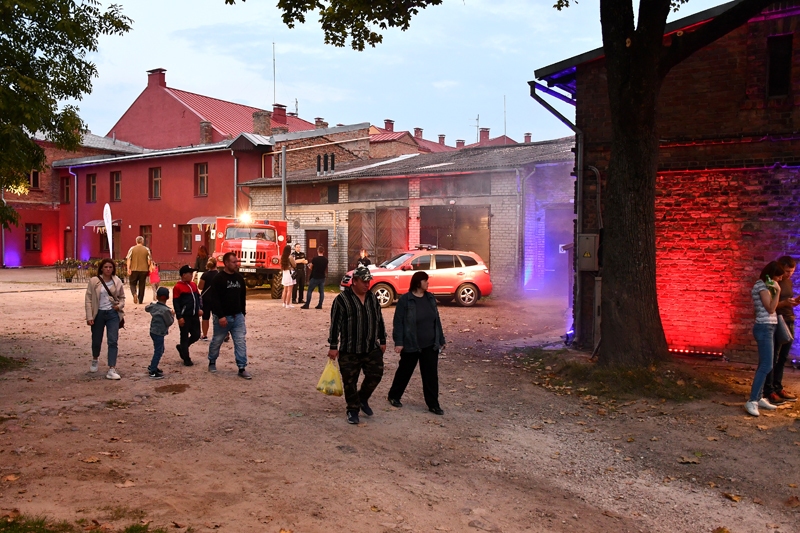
637, 59
43, 64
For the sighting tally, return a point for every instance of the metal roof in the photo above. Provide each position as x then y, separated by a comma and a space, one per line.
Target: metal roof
109, 144
101, 159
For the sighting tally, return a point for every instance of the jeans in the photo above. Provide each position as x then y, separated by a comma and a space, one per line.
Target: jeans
236, 327
774, 381
107, 321
313, 283
300, 284
139, 277
429, 371
765, 338
190, 333
158, 351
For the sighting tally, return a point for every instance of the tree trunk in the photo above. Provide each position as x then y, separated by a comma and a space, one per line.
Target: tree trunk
631, 330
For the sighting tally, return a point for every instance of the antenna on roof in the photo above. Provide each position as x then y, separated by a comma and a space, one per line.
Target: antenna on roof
504, 119
478, 128
274, 83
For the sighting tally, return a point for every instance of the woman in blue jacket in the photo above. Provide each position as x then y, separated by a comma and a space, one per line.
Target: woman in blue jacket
418, 336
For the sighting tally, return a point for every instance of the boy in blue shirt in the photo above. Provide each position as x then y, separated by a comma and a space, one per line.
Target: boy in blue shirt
162, 319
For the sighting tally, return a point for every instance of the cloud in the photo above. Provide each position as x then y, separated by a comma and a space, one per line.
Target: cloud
445, 84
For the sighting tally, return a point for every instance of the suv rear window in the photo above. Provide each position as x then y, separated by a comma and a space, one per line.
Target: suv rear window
446, 261
467, 260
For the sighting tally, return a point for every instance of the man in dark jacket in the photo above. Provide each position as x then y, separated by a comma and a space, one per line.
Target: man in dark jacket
229, 300
188, 310
358, 338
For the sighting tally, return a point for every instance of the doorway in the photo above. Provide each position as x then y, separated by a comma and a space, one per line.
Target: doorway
382, 232
314, 239
69, 245
558, 230
456, 228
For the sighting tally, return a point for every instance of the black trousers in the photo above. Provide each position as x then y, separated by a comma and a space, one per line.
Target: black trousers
428, 369
139, 277
190, 333
351, 365
298, 289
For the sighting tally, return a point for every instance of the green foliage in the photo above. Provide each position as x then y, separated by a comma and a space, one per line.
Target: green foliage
43, 63
356, 20
9, 363
23, 524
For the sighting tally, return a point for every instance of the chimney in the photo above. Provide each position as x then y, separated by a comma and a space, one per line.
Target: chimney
484, 135
320, 124
527, 137
418, 133
441, 139
388, 124
279, 130
205, 132
262, 123
279, 113
157, 77
459, 143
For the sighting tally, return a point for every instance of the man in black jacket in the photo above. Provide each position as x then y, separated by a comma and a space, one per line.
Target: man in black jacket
300, 276
358, 338
188, 310
229, 301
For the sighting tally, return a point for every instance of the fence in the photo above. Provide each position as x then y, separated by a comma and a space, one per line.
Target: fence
73, 271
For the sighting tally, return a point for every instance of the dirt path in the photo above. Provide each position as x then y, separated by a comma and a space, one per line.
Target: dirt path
217, 452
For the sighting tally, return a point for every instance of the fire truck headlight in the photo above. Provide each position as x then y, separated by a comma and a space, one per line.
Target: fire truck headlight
275, 260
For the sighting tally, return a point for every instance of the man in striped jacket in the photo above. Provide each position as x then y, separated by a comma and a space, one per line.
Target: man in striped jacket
358, 339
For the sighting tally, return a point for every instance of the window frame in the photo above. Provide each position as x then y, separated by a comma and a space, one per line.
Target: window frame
66, 191
200, 179
147, 234
91, 188
154, 183
34, 180
182, 228
456, 260
116, 185
33, 237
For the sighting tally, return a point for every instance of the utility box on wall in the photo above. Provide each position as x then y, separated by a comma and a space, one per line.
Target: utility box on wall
587, 252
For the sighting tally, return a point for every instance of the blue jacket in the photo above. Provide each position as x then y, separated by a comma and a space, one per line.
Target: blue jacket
405, 324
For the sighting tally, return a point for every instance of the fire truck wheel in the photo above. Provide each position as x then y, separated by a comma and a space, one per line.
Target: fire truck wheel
276, 286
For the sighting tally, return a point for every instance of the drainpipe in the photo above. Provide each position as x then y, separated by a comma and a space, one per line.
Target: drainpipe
521, 188
578, 188
75, 215
235, 184
2, 229
283, 182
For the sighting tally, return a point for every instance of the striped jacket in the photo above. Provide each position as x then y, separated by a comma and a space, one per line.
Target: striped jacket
356, 327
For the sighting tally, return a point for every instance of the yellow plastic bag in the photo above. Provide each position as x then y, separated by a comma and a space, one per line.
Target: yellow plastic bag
330, 382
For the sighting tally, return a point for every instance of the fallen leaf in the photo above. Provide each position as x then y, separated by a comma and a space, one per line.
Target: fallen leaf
536, 427
722, 427
91, 459
758, 501
120, 421
732, 497
794, 501
11, 477
712, 484
793, 485
549, 421
654, 439
10, 515
259, 461
630, 439
762, 428
721, 530
374, 509
128, 483
712, 438
793, 430
689, 461
178, 525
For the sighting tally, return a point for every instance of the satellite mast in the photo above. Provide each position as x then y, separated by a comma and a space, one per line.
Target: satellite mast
274, 82
478, 128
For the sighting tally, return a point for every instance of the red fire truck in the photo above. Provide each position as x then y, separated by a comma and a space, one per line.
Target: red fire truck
258, 245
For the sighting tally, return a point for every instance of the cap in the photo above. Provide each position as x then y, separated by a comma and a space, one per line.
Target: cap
362, 273
185, 269
162, 292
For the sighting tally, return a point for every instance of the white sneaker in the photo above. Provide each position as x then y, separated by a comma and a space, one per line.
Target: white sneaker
284, 306
112, 374
764, 404
290, 305
93, 368
752, 408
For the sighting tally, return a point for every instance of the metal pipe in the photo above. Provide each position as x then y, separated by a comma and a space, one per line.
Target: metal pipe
523, 185
235, 185
577, 324
283, 182
75, 214
2, 228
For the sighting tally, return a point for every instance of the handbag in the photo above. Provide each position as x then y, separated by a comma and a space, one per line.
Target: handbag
783, 334
122, 318
293, 272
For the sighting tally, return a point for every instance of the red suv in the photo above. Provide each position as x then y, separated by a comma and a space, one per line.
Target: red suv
452, 274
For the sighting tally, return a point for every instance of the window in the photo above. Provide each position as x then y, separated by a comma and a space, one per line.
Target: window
201, 179
103, 243
91, 188
33, 179
333, 194
116, 186
467, 260
446, 261
312, 194
394, 189
779, 80
33, 237
147, 233
65, 191
446, 187
154, 183
422, 262
185, 238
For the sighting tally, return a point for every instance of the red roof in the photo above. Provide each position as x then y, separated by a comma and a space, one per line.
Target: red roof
497, 141
433, 146
388, 136
230, 118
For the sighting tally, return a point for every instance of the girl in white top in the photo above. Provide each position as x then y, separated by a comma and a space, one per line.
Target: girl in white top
287, 265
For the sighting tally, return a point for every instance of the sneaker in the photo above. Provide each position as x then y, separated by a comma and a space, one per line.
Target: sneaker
112, 374
212, 367
394, 403
244, 374
786, 395
352, 417
774, 399
284, 306
303, 307
159, 372
154, 374
763, 403
318, 307
752, 408
93, 367
367, 409
290, 305
204, 338
436, 410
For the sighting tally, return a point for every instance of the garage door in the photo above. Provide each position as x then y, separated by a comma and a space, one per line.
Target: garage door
456, 228
382, 232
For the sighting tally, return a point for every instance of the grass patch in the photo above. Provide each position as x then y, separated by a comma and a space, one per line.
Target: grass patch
556, 371
9, 363
116, 404
121, 512
11, 522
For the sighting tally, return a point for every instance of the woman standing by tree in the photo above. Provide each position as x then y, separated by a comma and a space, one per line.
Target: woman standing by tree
766, 294
418, 336
287, 266
105, 299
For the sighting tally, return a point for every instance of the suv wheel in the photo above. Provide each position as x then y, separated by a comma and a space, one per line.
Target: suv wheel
384, 293
467, 295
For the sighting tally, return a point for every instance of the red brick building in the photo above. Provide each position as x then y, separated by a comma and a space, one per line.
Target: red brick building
385, 142
727, 191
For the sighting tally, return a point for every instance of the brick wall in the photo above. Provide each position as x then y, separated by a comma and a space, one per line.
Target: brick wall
357, 148
393, 148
